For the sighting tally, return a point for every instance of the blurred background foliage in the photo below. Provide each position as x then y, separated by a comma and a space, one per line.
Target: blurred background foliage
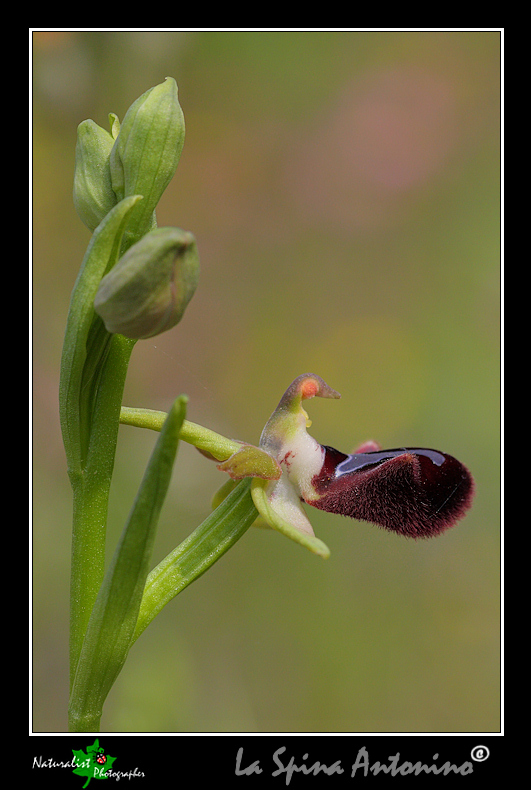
344, 189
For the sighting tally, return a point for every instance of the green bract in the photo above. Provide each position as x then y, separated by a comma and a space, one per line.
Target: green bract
93, 193
85, 348
114, 616
147, 151
148, 290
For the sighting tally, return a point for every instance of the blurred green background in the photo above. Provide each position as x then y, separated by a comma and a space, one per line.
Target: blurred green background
344, 190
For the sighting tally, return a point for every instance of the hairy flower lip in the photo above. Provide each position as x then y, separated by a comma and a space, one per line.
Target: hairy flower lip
416, 492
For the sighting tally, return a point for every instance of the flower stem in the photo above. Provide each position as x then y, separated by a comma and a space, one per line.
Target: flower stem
204, 439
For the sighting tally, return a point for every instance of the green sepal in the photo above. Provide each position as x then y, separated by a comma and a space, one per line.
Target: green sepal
223, 492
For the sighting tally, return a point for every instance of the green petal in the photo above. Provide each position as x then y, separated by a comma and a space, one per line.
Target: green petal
250, 461
278, 504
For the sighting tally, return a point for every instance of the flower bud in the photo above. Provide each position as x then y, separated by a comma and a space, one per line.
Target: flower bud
114, 123
93, 193
148, 290
147, 151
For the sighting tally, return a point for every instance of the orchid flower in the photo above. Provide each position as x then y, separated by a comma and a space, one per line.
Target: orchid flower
418, 493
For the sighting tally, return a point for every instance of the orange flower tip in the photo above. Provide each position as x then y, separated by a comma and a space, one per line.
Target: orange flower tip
309, 385
309, 389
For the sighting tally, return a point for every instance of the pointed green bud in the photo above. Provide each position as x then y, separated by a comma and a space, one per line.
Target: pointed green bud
148, 290
93, 193
147, 151
114, 123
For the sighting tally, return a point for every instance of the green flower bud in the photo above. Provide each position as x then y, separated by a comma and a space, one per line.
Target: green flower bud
148, 290
114, 123
93, 193
147, 151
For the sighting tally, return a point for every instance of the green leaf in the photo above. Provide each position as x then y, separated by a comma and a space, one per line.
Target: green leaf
114, 616
86, 339
87, 765
226, 525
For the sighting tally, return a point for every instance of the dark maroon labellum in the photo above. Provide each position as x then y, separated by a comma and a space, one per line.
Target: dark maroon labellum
416, 492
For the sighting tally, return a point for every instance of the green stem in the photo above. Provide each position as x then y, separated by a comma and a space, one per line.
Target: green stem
91, 494
88, 723
204, 439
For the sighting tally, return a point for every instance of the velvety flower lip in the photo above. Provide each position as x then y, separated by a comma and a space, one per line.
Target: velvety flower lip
416, 492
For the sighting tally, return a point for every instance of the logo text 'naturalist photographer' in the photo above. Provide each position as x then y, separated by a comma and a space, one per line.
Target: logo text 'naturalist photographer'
92, 764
